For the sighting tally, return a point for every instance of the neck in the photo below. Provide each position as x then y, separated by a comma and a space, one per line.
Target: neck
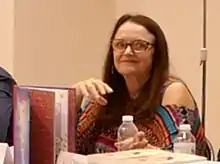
134, 85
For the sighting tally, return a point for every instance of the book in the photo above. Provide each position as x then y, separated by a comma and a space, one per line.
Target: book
44, 123
141, 156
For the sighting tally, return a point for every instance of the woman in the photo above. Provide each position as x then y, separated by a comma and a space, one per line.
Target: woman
136, 82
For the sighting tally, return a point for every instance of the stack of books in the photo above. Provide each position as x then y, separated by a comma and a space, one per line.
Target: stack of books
44, 123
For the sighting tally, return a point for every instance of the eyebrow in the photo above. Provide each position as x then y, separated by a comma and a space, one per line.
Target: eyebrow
126, 39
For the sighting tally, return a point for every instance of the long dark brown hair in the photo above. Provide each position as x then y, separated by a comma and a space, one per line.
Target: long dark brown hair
149, 99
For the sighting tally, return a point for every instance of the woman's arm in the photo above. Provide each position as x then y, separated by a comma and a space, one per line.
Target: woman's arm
178, 93
87, 116
86, 128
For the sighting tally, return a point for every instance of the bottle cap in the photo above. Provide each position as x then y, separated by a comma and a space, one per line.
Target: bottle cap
127, 118
185, 127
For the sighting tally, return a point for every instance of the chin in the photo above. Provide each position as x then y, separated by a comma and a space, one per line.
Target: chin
127, 72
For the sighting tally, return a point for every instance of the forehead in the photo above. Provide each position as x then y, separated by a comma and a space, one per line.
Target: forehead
130, 30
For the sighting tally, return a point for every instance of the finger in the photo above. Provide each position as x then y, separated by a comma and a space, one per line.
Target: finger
129, 140
124, 146
149, 146
107, 88
83, 89
140, 136
92, 90
101, 101
139, 145
99, 86
124, 143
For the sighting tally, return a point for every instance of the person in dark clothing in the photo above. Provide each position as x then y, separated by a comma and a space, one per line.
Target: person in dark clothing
6, 105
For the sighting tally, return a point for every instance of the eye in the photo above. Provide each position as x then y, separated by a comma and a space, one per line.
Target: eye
139, 45
119, 44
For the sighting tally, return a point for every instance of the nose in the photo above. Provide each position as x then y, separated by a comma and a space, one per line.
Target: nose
128, 50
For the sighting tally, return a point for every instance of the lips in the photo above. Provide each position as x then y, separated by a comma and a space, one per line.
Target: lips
128, 61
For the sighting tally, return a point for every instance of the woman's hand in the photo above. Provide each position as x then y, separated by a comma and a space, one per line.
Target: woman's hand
93, 88
137, 142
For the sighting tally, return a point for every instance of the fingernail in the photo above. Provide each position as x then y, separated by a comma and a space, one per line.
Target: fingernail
103, 93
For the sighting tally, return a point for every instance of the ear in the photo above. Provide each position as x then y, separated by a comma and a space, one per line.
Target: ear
178, 94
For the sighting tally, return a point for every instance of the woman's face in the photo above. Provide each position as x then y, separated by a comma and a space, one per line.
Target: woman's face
133, 49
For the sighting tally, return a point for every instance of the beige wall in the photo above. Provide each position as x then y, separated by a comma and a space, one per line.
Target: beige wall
6, 34
64, 41
213, 76
60, 41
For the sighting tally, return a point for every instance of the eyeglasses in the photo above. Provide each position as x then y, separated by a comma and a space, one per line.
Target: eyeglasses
137, 46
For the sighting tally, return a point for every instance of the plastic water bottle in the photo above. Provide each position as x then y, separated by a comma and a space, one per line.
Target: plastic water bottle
185, 142
127, 130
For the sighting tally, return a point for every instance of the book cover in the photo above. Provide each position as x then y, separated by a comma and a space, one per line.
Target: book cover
42, 127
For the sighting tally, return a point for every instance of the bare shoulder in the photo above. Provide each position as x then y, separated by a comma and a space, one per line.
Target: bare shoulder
177, 93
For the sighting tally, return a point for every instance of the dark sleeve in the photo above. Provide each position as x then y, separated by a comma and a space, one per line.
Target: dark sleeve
5, 114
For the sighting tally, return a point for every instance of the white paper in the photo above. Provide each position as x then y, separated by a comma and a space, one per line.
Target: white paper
3, 149
8, 157
143, 156
131, 157
12, 152
61, 129
5, 154
208, 162
71, 158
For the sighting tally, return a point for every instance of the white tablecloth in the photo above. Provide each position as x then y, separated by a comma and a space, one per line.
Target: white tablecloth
207, 162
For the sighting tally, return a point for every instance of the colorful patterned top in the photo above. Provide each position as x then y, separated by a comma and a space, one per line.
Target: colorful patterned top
160, 132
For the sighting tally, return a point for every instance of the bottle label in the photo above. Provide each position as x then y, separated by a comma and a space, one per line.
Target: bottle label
189, 148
